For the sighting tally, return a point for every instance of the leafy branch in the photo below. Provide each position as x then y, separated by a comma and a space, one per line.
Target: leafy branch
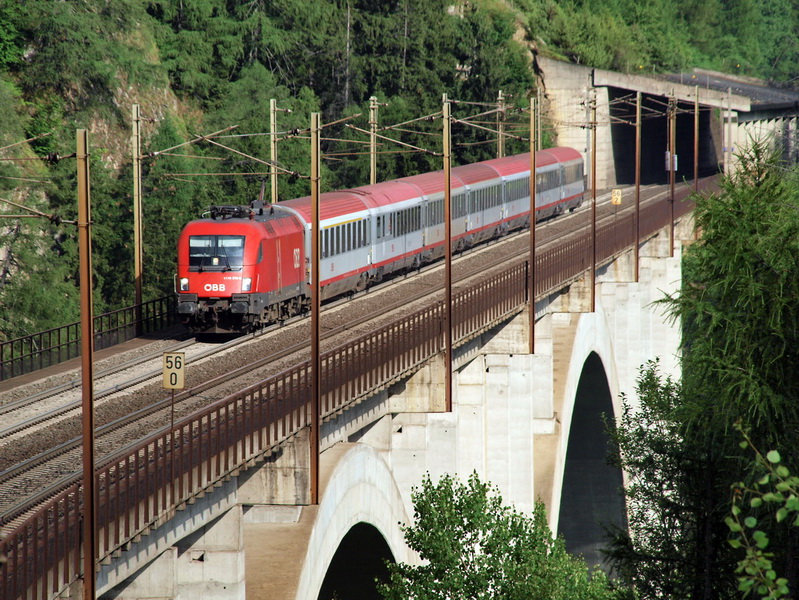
776, 489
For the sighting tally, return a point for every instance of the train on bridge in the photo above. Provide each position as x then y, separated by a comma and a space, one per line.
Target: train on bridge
242, 267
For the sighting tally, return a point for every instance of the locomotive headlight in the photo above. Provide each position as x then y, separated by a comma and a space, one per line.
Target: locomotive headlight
246, 284
184, 284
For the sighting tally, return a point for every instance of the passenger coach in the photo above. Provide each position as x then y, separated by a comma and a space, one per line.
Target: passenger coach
242, 267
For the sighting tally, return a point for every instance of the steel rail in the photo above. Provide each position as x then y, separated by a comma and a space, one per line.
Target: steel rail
163, 472
245, 369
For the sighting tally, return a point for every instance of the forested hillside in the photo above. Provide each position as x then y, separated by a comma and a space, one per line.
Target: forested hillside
199, 66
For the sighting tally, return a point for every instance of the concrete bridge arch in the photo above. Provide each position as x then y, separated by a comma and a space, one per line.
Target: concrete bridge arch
360, 497
591, 363
335, 549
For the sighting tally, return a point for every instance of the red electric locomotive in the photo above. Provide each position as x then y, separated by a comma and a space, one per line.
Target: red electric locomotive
242, 267
238, 267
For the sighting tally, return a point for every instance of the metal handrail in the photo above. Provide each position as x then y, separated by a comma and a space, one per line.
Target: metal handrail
53, 346
143, 486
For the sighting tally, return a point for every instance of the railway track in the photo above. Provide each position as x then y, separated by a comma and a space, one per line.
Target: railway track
41, 474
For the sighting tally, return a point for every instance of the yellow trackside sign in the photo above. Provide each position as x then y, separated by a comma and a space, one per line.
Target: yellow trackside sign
174, 370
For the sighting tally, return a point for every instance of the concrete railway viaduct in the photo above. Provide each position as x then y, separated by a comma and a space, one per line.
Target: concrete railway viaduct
529, 423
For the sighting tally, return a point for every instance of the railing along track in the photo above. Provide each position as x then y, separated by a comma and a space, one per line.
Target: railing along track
51, 347
161, 473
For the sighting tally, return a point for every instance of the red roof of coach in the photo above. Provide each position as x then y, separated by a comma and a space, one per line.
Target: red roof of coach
332, 204
341, 203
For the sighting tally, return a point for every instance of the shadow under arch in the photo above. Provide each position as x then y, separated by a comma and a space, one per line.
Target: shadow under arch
358, 561
592, 490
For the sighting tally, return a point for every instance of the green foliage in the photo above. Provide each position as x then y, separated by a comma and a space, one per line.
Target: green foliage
12, 128
675, 541
740, 299
742, 36
11, 42
245, 103
76, 51
472, 546
772, 498
36, 288
167, 205
738, 308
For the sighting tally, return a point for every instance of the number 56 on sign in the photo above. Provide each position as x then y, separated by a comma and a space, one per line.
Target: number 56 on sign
174, 370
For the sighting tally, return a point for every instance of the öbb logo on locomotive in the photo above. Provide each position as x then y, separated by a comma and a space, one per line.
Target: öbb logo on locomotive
241, 267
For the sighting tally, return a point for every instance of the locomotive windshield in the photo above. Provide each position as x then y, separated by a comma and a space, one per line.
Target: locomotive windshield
216, 252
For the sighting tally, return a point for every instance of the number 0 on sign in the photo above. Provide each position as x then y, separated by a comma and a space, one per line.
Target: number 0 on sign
174, 370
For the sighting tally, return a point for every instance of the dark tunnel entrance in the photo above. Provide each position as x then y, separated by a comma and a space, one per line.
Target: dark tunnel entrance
592, 490
654, 139
356, 564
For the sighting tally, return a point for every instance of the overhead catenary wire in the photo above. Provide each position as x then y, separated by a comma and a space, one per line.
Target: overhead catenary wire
382, 137
52, 217
193, 141
429, 118
31, 139
250, 157
227, 174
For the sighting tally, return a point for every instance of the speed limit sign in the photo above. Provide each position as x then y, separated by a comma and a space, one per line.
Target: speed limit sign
174, 370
